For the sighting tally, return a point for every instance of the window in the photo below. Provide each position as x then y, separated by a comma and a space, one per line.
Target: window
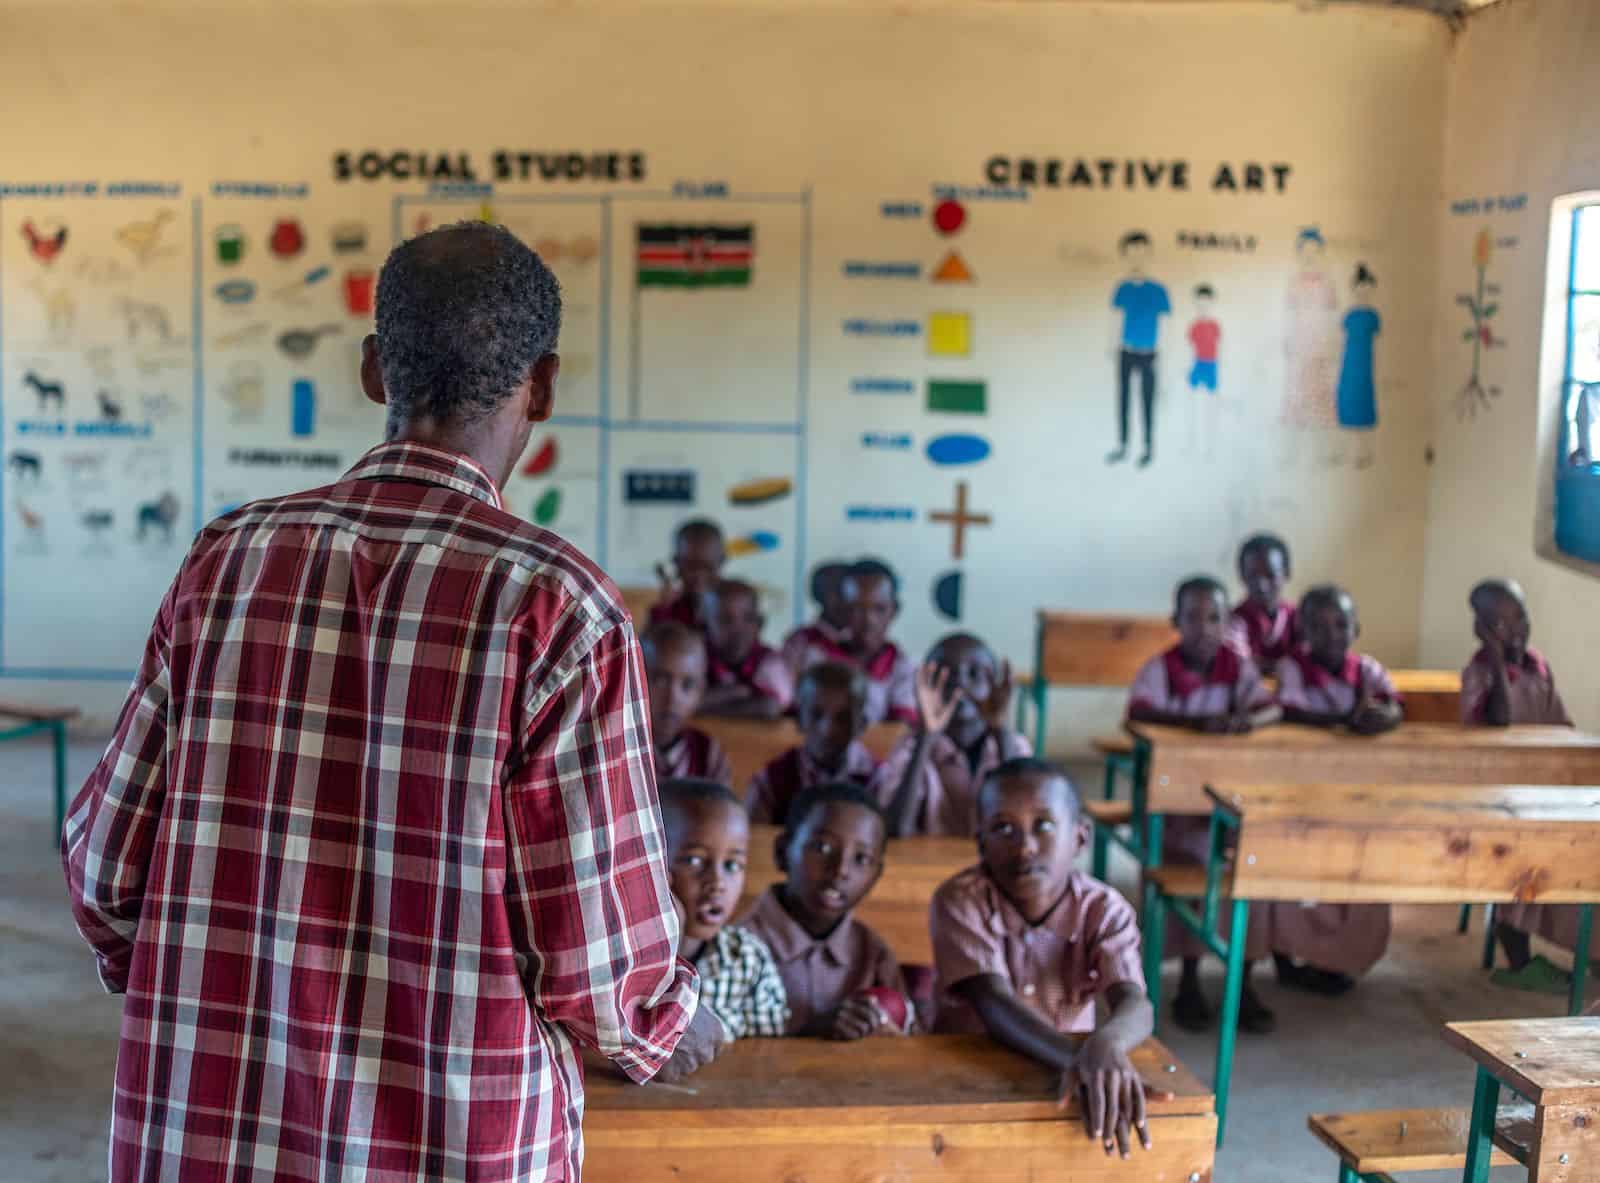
1577, 501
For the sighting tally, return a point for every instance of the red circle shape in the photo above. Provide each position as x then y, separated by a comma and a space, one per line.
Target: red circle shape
949, 216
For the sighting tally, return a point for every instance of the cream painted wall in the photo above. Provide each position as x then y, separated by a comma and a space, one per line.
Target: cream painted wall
1517, 124
859, 106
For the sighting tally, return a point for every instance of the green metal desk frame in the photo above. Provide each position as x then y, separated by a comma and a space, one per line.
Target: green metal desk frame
58, 741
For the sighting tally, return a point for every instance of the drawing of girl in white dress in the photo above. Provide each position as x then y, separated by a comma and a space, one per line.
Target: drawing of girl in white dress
1310, 341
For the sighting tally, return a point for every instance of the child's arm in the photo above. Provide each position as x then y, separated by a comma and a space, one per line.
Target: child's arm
936, 707
1141, 712
1497, 704
1113, 1092
1378, 706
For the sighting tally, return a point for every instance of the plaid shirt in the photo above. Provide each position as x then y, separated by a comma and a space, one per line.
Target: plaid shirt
376, 843
740, 981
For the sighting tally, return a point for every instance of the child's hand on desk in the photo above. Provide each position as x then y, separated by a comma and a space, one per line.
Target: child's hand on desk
856, 1018
1111, 1092
936, 702
702, 1041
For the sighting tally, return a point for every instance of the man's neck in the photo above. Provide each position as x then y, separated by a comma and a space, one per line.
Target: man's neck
476, 445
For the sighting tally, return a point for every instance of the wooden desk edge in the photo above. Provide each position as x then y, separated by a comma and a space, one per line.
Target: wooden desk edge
1458, 1037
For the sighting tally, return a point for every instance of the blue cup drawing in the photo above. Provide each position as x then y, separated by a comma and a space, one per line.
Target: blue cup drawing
303, 407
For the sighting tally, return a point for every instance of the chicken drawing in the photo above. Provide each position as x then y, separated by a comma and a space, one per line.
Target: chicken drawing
44, 247
142, 238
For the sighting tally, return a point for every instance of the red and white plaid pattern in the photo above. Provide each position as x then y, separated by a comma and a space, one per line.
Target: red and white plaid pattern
376, 842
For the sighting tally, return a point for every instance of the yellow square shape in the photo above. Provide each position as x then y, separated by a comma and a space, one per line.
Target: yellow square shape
949, 334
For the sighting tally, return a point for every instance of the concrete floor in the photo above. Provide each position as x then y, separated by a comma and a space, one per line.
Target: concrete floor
1377, 1048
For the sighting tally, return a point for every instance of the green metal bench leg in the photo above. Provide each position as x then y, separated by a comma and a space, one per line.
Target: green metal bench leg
1228, 1032
1102, 841
1580, 959
58, 738
1480, 1134
1464, 921
1488, 936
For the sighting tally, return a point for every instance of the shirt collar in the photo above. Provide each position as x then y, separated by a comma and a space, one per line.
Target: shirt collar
1014, 923
883, 662
406, 461
1183, 681
857, 762
788, 941
1315, 675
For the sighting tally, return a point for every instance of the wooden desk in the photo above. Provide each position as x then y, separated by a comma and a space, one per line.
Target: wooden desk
1181, 763
752, 744
1431, 696
35, 718
918, 1109
897, 909
1555, 1065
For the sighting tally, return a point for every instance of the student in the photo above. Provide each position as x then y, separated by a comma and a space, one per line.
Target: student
1023, 945
1324, 682
1508, 682
831, 702
1204, 684
929, 784
870, 591
832, 965
1324, 948
675, 672
708, 848
697, 557
826, 637
1263, 623
745, 679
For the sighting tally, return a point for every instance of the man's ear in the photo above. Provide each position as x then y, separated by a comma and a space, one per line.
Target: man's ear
372, 371
542, 388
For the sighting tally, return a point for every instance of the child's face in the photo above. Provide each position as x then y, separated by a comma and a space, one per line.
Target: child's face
708, 847
1264, 573
832, 856
699, 559
872, 608
677, 683
1137, 256
1330, 631
1309, 250
1028, 839
733, 626
1508, 620
1202, 622
831, 717
972, 673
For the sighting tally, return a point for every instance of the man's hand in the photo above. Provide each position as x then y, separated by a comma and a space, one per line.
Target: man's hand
1111, 1092
997, 710
702, 1042
856, 1018
936, 704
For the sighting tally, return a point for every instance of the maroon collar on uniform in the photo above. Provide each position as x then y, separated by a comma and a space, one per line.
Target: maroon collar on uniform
404, 461
883, 662
1183, 681
1314, 674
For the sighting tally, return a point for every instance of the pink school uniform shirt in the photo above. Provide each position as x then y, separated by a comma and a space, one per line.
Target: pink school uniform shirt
1231, 683
1088, 943
891, 672
763, 670
774, 788
948, 800
821, 972
1265, 636
694, 754
1306, 686
1533, 694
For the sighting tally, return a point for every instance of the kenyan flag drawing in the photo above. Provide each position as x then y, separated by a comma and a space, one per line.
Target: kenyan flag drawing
679, 256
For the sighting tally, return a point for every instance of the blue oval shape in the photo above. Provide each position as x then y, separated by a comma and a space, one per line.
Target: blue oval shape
236, 291
958, 449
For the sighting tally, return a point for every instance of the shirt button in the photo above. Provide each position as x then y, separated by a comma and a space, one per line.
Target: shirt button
1029, 989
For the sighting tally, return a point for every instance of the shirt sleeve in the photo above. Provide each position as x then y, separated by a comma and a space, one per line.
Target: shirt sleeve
1116, 946
1377, 681
774, 680
1149, 689
1475, 682
1162, 304
586, 875
1253, 692
1291, 686
110, 832
1555, 709
747, 993
891, 771
964, 944
903, 691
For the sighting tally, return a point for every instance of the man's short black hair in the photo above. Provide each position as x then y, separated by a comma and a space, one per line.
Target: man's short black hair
1133, 238
874, 569
1208, 584
463, 313
839, 792
1021, 766
696, 527
1264, 544
1490, 592
831, 675
667, 634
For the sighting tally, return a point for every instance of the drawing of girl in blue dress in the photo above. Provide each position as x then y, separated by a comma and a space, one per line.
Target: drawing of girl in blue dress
1358, 396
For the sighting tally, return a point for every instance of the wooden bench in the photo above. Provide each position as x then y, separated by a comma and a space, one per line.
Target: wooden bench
1085, 650
897, 909
1370, 1145
922, 1108
31, 720
752, 744
1554, 1065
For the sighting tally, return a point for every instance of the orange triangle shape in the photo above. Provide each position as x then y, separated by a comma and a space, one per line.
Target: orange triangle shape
952, 270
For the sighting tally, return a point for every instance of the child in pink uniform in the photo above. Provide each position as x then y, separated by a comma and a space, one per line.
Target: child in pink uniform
1323, 682
929, 784
1024, 945
831, 703
1263, 623
1205, 684
827, 637
697, 557
1508, 682
870, 591
744, 678
675, 674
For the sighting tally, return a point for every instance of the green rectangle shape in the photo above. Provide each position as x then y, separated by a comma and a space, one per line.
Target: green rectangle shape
673, 277
958, 398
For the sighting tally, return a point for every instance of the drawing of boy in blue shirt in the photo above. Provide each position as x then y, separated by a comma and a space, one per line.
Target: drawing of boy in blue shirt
1143, 302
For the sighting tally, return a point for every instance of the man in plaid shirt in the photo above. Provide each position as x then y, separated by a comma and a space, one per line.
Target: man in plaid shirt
376, 844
